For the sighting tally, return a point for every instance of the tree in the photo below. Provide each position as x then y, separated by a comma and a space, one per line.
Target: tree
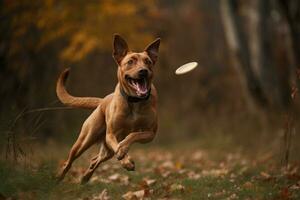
259, 55
37, 37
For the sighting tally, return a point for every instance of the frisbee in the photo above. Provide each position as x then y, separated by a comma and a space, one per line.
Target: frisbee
186, 68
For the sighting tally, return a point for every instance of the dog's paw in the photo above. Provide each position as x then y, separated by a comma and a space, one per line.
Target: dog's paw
122, 151
85, 178
128, 163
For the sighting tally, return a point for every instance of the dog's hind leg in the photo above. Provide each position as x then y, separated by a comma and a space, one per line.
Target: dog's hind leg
104, 154
90, 133
82, 144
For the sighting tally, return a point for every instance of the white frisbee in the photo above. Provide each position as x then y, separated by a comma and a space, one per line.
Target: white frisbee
186, 68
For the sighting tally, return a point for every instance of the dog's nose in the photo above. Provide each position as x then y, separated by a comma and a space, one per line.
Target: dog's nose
143, 73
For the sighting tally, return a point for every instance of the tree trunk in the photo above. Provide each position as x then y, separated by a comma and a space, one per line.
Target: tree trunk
263, 62
239, 53
290, 11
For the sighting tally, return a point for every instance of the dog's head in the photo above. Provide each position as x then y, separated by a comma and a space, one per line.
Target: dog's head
135, 70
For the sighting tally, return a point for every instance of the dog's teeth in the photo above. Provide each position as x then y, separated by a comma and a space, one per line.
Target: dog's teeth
140, 85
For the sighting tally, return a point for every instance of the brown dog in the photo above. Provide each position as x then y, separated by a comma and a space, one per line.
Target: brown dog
126, 116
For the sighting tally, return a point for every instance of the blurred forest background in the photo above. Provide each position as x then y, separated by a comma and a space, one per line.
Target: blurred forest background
248, 54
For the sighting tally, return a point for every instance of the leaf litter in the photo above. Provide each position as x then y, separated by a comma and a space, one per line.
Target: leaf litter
162, 174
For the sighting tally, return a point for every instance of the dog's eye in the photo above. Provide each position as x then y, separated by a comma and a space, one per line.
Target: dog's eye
130, 62
147, 61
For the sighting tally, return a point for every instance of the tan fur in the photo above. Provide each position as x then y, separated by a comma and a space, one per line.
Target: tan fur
69, 100
115, 123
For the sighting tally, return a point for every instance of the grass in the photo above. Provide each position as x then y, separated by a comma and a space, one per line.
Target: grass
195, 170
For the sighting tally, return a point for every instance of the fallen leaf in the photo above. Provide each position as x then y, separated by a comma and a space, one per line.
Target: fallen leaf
215, 172
194, 176
219, 194
232, 175
105, 167
177, 187
123, 179
137, 195
233, 196
168, 164
265, 175
182, 171
243, 170
148, 182
178, 165
95, 179
295, 187
197, 156
114, 177
129, 196
248, 185
102, 196
166, 174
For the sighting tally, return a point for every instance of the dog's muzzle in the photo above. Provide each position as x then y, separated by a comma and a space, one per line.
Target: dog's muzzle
143, 73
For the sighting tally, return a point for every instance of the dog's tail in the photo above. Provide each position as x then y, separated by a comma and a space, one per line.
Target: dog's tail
69, 100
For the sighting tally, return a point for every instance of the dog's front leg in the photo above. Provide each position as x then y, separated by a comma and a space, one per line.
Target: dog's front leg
112, 141
126, 161
141, 137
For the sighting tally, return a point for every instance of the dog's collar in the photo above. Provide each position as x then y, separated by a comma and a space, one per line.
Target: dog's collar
133, 99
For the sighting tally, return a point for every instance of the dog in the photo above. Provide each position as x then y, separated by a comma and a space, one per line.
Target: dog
126, 116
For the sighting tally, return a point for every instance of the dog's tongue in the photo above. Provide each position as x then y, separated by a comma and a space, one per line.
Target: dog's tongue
141, 87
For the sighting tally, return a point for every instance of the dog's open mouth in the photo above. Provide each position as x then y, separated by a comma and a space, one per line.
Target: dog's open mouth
140, 86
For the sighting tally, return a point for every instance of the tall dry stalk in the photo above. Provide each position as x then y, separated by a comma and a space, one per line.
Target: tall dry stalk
14, 149
289, 126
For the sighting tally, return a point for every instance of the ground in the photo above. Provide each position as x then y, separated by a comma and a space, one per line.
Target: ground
190, 171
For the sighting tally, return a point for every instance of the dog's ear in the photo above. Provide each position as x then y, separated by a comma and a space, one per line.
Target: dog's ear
120, 48
152, 50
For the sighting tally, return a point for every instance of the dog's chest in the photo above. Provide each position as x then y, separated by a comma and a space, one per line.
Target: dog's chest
133, 120
137, 120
